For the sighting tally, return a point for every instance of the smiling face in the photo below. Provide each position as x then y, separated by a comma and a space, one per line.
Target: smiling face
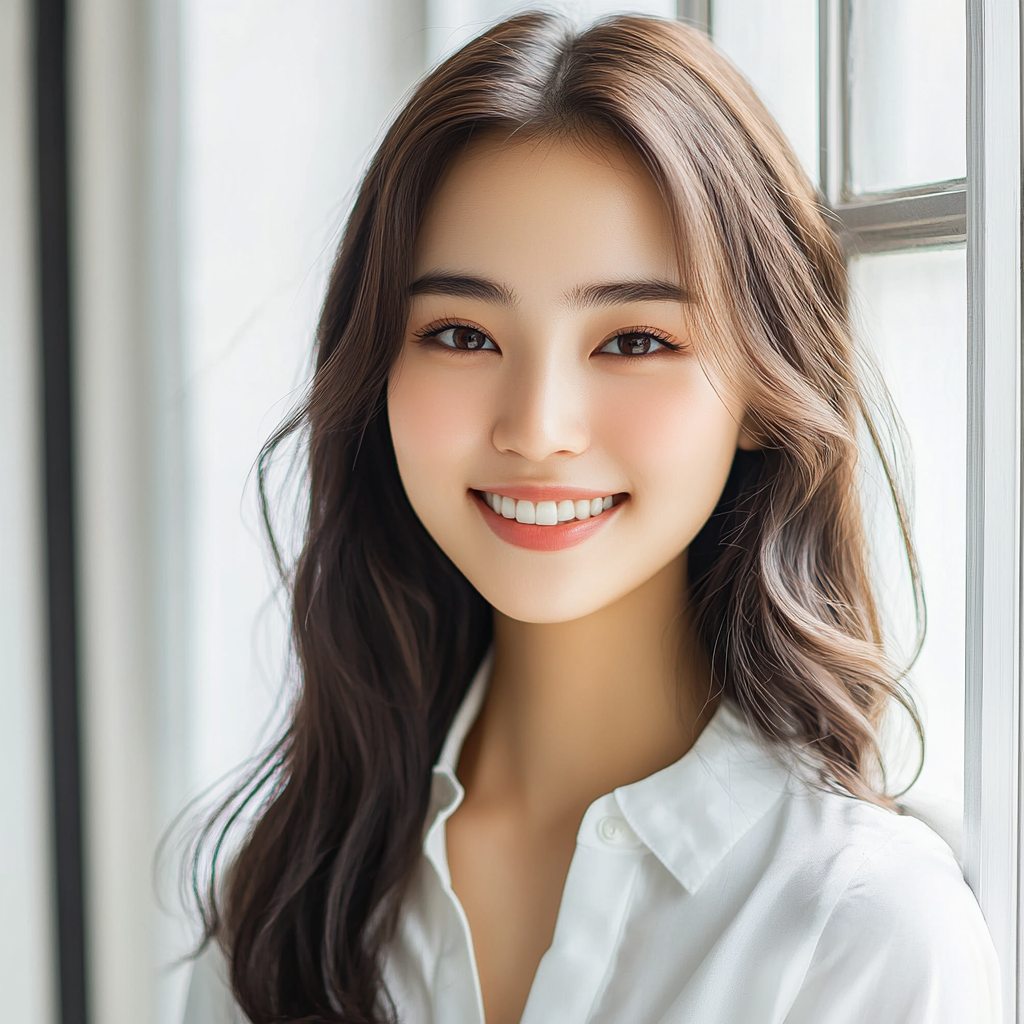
554, 428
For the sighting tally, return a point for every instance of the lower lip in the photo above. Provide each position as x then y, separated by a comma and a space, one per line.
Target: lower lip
544, 538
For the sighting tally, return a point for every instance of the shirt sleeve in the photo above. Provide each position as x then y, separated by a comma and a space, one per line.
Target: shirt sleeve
905, 944
209, 998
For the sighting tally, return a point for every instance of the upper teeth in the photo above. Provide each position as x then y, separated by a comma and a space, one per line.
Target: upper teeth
547, 513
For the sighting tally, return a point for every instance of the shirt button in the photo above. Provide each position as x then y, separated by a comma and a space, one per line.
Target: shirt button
615, 832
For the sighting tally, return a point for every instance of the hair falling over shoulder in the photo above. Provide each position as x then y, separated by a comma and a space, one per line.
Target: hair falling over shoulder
386, 630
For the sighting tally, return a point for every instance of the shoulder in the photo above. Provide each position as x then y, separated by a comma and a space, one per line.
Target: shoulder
210, 1000
908, 893
903, 938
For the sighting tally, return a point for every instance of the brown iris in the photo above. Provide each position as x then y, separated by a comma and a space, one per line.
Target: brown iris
634, 344
469, 339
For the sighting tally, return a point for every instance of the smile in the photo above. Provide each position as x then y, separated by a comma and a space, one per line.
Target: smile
547, 513
550, 525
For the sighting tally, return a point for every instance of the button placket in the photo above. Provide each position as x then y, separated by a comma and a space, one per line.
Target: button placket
595, 903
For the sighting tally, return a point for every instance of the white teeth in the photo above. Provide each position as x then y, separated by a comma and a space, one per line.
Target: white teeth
547, 513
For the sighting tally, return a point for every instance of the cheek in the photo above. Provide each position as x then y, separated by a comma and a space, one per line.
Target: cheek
679, 438
436, 421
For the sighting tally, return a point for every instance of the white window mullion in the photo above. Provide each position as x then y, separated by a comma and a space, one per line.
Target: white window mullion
992, 731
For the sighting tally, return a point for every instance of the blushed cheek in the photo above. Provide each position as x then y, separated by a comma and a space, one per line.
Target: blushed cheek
677, 440
436, 424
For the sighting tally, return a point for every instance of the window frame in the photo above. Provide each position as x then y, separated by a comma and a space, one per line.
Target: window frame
992, 713
927, 214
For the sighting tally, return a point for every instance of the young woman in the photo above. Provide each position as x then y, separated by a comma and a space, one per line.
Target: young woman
591, 669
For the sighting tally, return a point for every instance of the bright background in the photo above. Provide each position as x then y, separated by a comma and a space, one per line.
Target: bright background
216, 149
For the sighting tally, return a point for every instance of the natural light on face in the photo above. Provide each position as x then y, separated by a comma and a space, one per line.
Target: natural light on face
548, 360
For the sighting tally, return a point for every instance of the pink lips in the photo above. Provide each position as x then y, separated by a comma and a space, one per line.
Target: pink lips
544, 538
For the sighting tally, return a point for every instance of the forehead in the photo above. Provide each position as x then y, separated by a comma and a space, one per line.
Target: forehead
548, 214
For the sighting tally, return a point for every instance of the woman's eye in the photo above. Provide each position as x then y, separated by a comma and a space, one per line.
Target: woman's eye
633, 344
465, 339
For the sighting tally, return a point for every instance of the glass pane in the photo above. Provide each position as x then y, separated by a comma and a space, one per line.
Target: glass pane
908, 93
912, 313
752, 34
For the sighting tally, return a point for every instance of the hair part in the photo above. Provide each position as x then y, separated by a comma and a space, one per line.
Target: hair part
387, 632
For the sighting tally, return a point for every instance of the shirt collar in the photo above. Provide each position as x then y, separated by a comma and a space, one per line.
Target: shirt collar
689, 815
446, 791
692, 813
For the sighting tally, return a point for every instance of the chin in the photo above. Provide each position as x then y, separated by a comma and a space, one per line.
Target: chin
544, 611
537, 598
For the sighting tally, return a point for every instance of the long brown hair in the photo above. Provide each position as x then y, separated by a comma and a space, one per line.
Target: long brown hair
387, 632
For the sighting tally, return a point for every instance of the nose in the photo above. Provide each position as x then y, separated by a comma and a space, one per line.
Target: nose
542, 407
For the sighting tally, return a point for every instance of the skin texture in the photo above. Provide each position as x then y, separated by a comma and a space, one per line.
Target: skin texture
597, 681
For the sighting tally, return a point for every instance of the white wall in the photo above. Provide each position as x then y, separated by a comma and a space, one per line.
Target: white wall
279, 113
27, 969
450, 23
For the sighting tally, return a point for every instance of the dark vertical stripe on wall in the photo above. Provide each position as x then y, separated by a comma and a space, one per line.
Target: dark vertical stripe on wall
55, 339
696, 13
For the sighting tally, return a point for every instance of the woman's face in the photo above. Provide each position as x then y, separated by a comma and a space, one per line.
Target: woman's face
549, 361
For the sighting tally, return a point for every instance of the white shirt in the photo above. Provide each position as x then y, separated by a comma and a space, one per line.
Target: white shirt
720, 890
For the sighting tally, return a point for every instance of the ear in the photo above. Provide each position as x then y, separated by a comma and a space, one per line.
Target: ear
748, 440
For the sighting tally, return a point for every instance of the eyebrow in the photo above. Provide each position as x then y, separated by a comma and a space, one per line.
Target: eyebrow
617, 292
466, 286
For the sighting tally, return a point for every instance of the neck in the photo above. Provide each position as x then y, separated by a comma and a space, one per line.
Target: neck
577, 708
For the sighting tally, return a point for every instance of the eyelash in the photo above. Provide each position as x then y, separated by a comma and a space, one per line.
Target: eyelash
430, 334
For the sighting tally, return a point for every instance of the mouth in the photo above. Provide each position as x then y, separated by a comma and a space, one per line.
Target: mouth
552, 519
